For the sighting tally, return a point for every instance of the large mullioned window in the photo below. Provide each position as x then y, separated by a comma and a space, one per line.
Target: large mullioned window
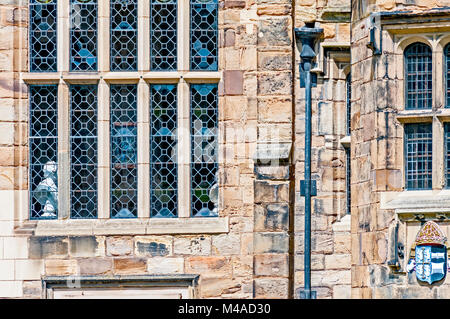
447, 74
418, 156
418, 76
95, 99
43, 25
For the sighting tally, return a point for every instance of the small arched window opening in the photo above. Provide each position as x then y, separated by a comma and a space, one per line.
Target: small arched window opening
418, 76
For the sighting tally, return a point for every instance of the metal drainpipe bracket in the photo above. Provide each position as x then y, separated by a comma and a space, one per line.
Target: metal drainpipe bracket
313, 188
303, 293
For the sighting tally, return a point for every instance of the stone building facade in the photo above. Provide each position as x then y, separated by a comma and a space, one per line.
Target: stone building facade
364, 219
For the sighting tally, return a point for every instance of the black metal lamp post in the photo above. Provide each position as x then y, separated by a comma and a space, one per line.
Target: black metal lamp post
307, 37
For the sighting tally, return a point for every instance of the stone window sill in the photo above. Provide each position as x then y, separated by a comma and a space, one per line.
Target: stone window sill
144, 226
418, 205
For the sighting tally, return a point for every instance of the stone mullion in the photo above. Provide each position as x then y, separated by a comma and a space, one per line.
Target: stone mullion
438, 180
63, 36
144, 35
184, 151
143, 151
183, 38
103, 151
63, 151
103, 35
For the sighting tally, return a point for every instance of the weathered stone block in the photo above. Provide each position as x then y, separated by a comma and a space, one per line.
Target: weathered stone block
152, 246
267, 192
275, 83
130, 266
272, 217
274, 32
32, 289
271, 243
83, 246
28, 269
61, 267
227, 244
48, 247
272, 172
119, 246
233, 82
271, 265
271, 288
192, 245
95, 266
161, 265
209, 266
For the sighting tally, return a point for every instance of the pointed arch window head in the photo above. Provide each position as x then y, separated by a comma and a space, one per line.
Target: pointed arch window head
418, 76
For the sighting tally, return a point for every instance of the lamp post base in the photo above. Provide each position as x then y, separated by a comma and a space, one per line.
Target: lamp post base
304, 294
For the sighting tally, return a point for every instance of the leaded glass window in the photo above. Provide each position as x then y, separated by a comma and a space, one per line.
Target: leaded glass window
204, 145
204, 31
124, 35
163, 152
447, 74
418, 76
348, 175
83, 151
163, 34
123, 151
43, 143
43, 19
83, 35
447, 153
418, 156
348, 84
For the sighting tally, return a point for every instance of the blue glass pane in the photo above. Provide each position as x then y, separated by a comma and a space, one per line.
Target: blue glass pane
43, 143
43, 25
83, 35
204, 148
123, 151
204, 34
83, 151
163, 34
163, 151
124, 35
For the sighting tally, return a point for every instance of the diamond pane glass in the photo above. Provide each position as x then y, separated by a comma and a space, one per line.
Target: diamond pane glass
124, 35
83, 151
163, 34
123, 151
43, 143
163, 151
204, 148
83, 35
43, 16
204, 31
418, 70
418, 156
